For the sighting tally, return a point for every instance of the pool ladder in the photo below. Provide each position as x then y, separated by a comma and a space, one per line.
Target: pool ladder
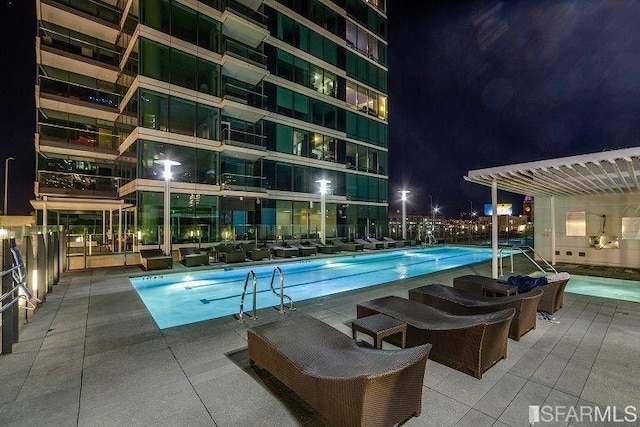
254, 280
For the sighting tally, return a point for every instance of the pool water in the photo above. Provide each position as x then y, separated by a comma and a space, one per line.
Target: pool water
626, 290
179, 298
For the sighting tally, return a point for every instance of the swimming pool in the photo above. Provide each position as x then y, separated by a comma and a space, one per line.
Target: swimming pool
180, 298
627, 290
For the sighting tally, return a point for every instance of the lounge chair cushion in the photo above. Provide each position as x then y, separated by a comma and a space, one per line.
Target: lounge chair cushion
349, 385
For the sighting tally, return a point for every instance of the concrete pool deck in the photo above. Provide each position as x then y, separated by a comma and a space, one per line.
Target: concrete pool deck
93, 355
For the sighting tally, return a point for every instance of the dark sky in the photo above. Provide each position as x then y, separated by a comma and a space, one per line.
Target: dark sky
472, 84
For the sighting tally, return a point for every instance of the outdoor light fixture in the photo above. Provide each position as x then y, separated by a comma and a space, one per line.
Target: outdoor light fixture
324, 183
167, 201
404, 212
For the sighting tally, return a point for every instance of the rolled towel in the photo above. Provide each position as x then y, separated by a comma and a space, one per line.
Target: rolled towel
526, 283
556, 277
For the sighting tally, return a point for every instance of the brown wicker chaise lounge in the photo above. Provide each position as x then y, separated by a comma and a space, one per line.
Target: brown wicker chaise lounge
349, 385
230, 253
155, 259
191, 257
255, 253
470, 344
348, 246
551, 300
459, 302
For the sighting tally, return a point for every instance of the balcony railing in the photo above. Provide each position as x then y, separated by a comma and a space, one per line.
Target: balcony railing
75, 183
254, 16
245, 96
81, 139
232, 181
244, 52
78, 47
94, 8
70, 90
243, 139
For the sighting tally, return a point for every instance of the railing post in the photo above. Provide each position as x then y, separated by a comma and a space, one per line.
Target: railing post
10, 316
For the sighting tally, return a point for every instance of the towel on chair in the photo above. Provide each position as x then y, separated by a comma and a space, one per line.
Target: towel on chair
526, 283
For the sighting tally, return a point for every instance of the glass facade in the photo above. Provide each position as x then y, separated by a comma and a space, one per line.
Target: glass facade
252, 124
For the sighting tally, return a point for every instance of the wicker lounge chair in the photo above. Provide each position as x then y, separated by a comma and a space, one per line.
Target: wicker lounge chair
470, 344
370, 245
348, 246
459, 302
349, 385
306, 248
255, 253
327, 248
283, 251
230, 253
387, 244
399, 243
551, 300
191, 257
553, 296
155, 259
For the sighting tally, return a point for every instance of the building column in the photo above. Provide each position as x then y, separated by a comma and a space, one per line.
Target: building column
494, 228
553, 230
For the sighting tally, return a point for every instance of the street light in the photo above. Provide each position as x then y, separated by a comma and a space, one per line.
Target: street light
431, 208
404, 212
323, 207
6, 182
434, 211
167, 201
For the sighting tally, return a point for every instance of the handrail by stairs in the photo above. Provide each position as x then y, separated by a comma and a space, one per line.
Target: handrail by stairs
281, 294
244, 292
523, 250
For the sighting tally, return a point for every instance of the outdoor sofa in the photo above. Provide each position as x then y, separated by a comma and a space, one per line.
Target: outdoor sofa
255, 253
459, 302
192, 257
348, 384
550, 302
155, 259
470, 343
230, 253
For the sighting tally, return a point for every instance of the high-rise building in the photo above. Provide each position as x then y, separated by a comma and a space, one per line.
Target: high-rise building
254, 101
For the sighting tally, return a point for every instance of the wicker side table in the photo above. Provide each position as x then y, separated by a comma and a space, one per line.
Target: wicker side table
379, 326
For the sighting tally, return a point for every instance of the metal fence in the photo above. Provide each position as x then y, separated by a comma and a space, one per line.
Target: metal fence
41, 264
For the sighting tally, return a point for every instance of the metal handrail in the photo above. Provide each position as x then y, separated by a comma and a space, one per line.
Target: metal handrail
17, 273
281, 294
523, 250
244, 292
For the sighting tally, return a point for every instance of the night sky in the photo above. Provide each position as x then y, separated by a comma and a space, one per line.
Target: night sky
472, 84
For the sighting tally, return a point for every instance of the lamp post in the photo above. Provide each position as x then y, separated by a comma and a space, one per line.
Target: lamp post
6, 182
167, 201
323, 207
434, 211
431, 208
404, 212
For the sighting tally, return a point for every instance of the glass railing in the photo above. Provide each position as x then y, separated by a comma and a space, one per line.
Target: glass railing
233, 181
69, 183
77, 138
75, 91
243, 52
246, 96
254, 16
94, 8
243, 139
78, 47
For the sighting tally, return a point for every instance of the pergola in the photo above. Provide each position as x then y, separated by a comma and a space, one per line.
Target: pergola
602, 173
